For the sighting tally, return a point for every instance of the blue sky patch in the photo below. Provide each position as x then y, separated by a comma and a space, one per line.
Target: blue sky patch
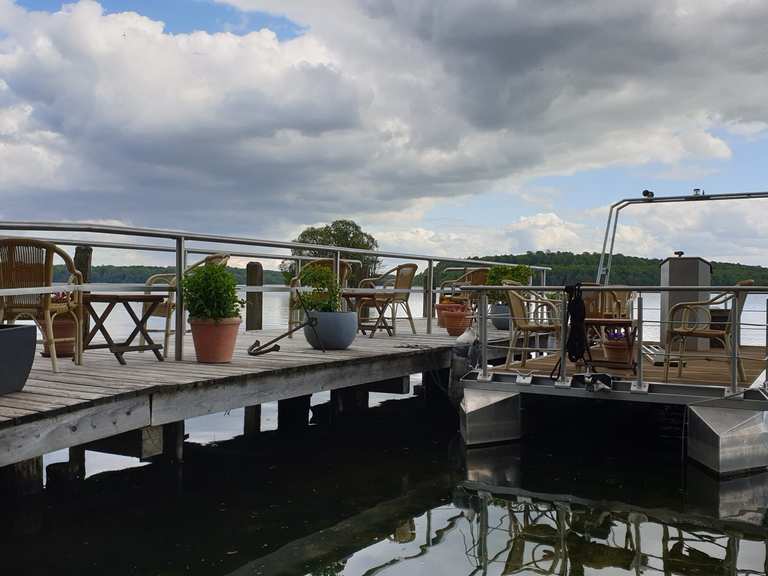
181, 16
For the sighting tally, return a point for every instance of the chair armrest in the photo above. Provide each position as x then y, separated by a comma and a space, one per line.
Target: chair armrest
163, 278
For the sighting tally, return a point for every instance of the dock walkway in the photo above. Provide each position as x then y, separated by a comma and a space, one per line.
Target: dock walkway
101, 398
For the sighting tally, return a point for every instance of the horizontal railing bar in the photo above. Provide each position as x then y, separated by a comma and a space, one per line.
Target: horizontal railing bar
92, 287
171, 249
218, 239
619, 288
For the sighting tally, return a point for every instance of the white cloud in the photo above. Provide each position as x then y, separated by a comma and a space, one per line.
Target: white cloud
382, 110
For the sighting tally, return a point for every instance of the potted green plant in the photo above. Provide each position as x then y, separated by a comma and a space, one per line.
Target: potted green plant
499, 304
331, 328
210, 293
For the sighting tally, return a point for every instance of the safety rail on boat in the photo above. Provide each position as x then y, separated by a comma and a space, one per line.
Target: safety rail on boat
482, 317
181, 248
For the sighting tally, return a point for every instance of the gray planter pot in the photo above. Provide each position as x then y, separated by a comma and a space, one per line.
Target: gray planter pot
502, 322
17, 351
334, 330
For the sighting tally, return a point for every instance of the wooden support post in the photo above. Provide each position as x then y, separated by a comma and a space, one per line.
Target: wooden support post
77, 463
143, 444
173, 442
254, 301
83, 258
293, 414
23, 478
348, 401
252, 422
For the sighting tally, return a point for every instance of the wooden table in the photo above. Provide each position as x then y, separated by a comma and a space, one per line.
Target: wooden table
112, 300
629, 331
378, 298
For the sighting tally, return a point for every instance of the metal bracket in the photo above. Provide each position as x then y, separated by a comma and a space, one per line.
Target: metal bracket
564, 383
484, 378
638, 387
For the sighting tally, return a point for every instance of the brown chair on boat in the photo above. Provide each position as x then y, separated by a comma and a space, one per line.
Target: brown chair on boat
690, 325
399, 278
450, 292
166, 309
27, 263
295, 312
529, 314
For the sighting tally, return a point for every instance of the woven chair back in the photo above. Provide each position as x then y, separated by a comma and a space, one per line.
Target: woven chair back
26, 263
345, 268
404, 275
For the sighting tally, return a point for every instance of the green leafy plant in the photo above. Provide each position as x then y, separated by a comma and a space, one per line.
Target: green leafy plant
211, 292
326, 293
498, 274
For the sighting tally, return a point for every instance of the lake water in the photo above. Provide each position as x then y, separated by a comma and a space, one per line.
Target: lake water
396, 493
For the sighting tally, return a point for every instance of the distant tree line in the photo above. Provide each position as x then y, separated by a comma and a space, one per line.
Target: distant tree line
567, 268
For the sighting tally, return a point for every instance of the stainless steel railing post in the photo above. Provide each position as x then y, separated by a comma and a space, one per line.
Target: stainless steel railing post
640, 339
483, 332
563, 336
765, 349
735, 339
181, 316
430, 294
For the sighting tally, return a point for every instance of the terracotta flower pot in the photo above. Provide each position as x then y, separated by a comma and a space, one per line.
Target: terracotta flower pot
442, 308
214, 340
63, 327
456, 321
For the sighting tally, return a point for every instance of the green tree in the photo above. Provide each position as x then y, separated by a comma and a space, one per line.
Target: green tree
341, 233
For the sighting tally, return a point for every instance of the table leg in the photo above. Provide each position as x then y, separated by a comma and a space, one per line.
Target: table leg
141, 327
98, 325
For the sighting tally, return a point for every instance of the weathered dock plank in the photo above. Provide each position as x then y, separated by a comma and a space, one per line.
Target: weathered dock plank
101, 398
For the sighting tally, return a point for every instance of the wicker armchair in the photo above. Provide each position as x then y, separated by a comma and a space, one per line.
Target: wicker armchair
472, 277
400, 278
27, 263
295, 312
165, 310
529, 314
684, 321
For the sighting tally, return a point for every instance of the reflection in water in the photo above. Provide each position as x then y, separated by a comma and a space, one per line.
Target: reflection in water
393, 495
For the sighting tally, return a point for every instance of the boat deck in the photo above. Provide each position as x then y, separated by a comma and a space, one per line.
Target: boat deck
699, 368
101, 398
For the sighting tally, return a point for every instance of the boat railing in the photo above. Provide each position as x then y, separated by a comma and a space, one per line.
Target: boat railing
736, 295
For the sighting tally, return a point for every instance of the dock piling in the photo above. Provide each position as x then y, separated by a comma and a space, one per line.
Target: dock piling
254, 307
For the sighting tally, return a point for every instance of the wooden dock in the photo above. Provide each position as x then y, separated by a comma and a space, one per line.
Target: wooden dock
102, 399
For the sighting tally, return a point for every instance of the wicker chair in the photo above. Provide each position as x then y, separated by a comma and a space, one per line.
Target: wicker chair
295, 312
690, 325
472, 277
529, 314
400, 278
26, 263
165, 309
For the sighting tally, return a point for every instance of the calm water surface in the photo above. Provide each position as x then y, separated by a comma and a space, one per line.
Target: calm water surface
397, 494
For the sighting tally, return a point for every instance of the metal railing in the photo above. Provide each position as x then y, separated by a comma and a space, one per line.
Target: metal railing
735, 325
181, 247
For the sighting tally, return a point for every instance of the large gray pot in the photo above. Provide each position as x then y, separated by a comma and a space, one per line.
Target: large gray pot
17, 351
502, 321
336, 330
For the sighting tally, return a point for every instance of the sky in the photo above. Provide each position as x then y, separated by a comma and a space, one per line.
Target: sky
442, 126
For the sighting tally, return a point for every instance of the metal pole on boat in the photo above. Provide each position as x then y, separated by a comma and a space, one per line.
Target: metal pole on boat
765, 381
483, 332
640, 340
563, 336
429, 293
181, 320
735, 338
